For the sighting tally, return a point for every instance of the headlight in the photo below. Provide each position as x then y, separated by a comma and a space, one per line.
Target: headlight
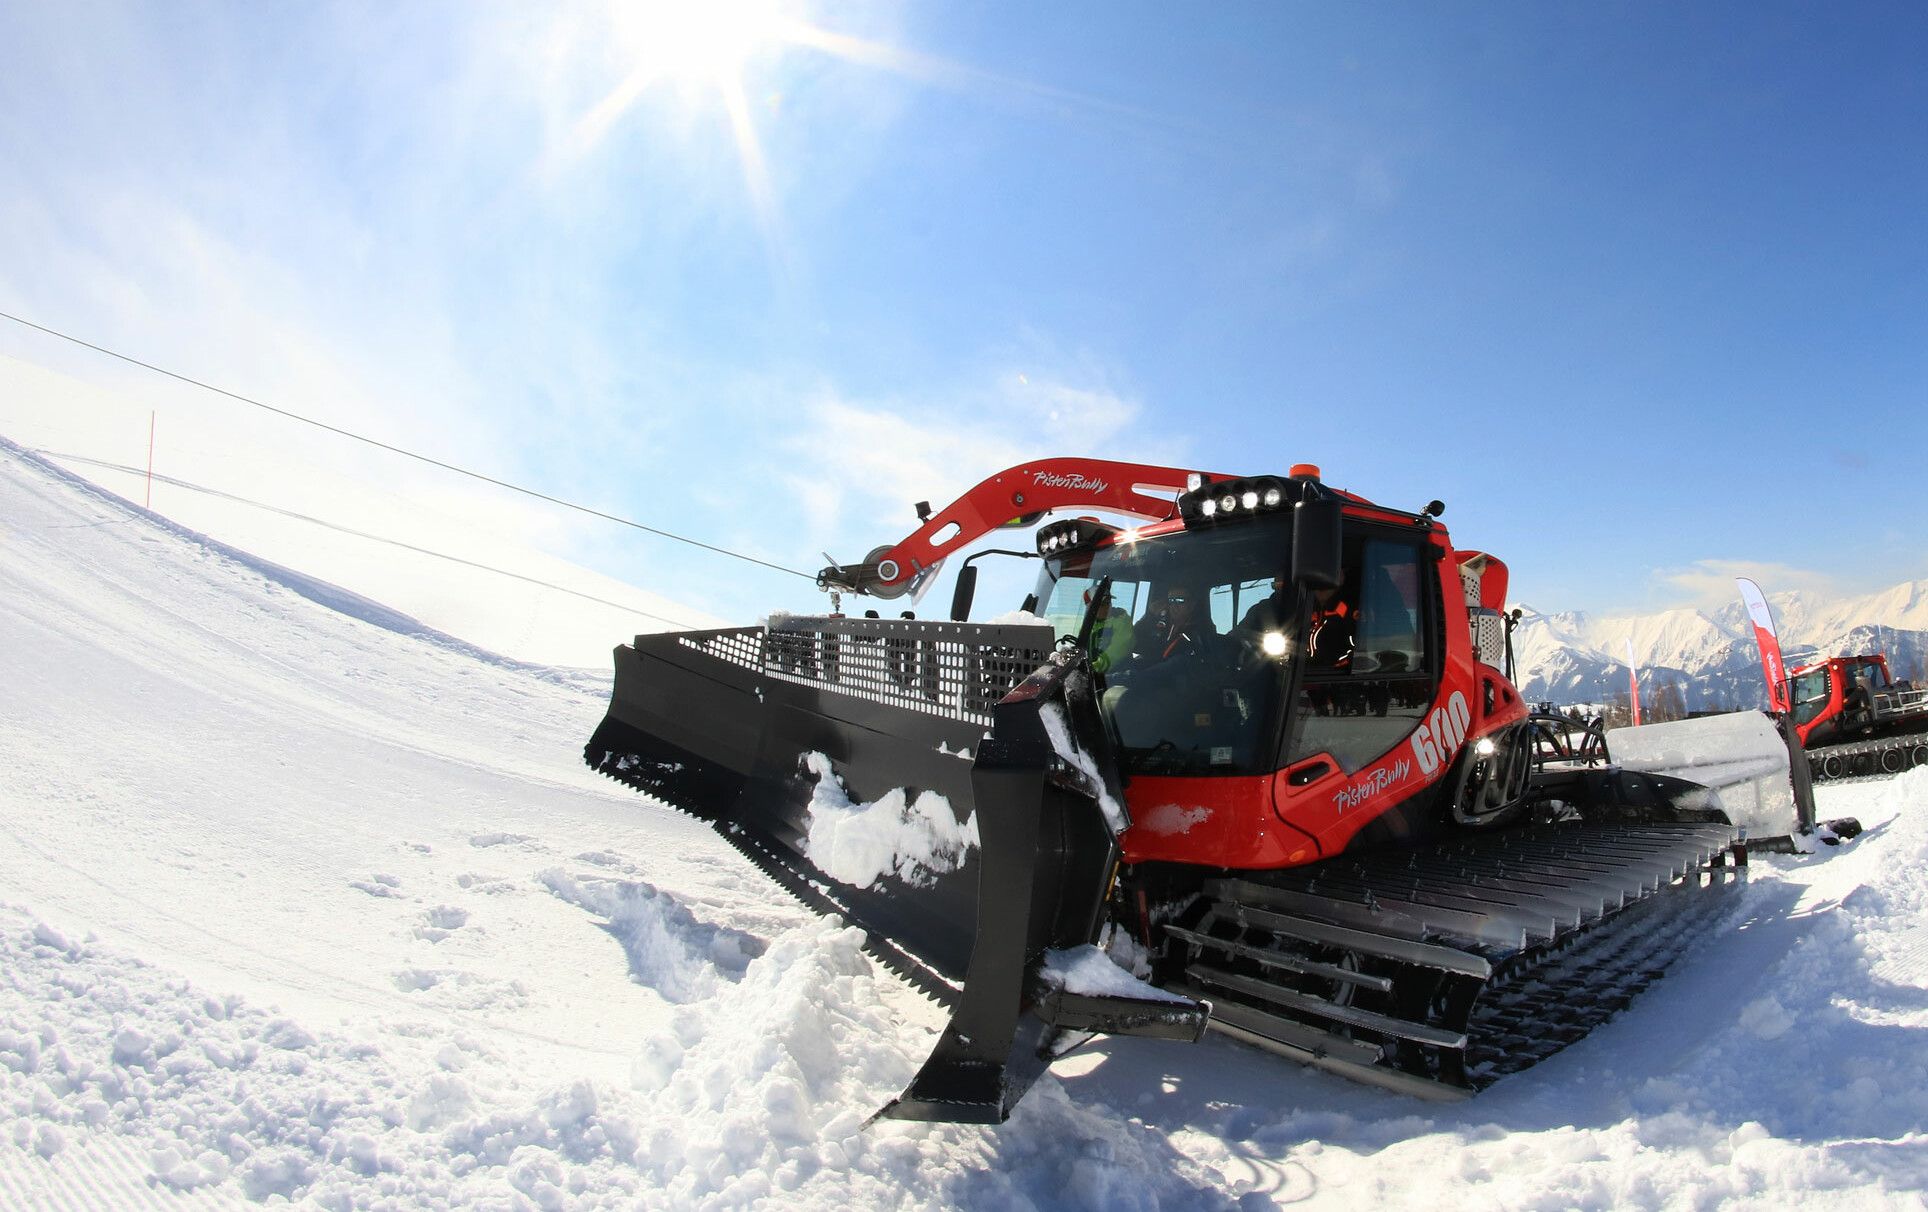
1229, 499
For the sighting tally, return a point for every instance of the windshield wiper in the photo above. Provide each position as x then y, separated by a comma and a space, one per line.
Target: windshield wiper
1100, 602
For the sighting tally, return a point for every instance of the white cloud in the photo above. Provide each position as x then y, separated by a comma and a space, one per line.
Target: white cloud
855, 462
1709, 584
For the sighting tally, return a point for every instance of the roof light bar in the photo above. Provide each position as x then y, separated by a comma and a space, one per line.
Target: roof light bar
1227, 499
1060, 537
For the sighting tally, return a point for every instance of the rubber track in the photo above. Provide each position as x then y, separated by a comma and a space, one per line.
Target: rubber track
1579, 984
1515, 1005
1849, 751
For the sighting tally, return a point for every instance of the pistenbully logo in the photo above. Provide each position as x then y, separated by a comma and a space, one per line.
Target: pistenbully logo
1052, 479
1375, 782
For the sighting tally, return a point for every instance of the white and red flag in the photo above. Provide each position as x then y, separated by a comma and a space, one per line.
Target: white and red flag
1767, 641
1633, 683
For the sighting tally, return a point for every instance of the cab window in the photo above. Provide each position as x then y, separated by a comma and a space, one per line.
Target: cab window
1810, 693
1371, 672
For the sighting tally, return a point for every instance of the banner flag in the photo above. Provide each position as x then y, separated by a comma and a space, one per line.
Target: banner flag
1767, 641
1633, 683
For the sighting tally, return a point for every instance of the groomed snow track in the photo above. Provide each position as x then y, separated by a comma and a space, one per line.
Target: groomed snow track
1438, 971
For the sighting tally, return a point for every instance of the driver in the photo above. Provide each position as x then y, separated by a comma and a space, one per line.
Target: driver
1184, 626
1170, 700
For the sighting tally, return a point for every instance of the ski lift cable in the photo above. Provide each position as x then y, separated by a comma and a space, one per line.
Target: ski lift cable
433, 462
63, 457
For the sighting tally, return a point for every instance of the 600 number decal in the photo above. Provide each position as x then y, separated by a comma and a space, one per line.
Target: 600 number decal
1436, 740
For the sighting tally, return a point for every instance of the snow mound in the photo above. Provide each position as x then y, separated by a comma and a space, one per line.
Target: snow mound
669, 950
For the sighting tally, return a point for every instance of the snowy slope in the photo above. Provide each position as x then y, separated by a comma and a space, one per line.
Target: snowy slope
294, 904
460, 556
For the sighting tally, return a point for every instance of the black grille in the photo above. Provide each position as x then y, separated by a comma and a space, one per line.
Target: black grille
955, 670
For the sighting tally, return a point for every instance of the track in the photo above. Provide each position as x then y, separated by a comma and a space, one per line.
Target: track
1863, 759
1436, 972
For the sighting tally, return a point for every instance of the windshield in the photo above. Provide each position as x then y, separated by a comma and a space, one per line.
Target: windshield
1870, 672
1177, 628
1810, 694
1191, 635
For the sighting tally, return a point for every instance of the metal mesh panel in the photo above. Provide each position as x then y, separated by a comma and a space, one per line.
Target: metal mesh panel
743, 646
1489, 637
957, 670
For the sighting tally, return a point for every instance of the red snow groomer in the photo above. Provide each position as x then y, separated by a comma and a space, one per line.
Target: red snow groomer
1263, 748
1854, 720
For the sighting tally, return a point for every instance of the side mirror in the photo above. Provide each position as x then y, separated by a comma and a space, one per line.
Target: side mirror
1317, 530
962, 595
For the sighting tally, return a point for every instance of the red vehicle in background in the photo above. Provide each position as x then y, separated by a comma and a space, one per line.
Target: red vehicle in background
1855, 720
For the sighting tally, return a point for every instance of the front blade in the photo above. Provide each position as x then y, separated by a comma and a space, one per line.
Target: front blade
767, 734
1740, 756
737, 727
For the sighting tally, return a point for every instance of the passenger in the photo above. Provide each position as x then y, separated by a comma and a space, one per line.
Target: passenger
1270, 613
1858, 698
1329, 641
1111, 637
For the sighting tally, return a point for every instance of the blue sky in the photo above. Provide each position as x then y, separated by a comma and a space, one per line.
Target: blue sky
1641, 291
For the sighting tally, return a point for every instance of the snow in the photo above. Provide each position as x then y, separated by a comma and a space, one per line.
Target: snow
914, 839
299, 906
1169, 820
1017, 618
1089, 970
1057, 726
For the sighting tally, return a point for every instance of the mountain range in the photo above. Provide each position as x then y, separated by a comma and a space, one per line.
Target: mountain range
1710, 657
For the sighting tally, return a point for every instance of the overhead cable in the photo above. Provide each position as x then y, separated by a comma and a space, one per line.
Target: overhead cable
433, 462
362, 534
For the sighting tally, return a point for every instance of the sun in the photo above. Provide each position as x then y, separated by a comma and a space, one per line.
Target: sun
717, 55
693, 43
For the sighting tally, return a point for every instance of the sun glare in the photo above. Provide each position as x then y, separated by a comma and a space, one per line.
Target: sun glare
718, 53
693, 42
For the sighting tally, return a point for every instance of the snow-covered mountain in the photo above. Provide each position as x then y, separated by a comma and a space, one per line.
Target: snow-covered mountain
1576, 657
303, 902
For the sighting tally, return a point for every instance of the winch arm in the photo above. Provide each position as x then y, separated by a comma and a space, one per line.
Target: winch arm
1015, 496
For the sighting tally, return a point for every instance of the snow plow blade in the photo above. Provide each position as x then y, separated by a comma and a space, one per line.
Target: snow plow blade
840, 755
1760, 775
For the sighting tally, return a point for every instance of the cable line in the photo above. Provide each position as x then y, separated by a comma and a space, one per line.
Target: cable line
362, 534
433, 462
